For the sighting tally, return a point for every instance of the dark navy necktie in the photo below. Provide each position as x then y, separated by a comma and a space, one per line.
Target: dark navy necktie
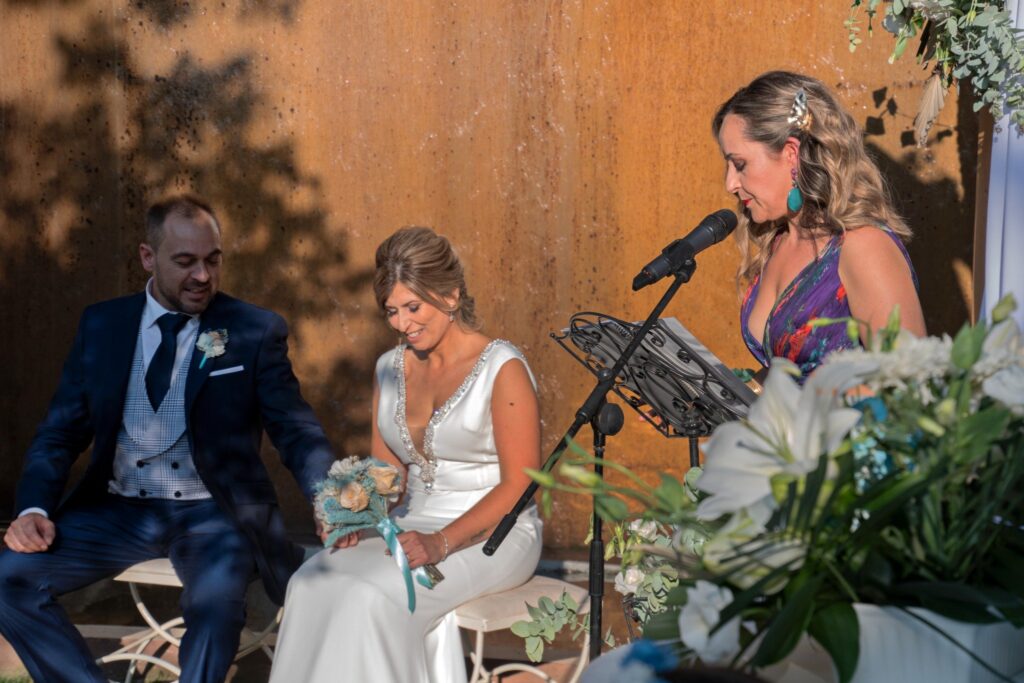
158, 377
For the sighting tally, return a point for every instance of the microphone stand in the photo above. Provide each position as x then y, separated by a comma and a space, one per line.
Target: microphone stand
590, 412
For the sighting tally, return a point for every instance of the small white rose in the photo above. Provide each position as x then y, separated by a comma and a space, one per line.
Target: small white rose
626, 582
646, 531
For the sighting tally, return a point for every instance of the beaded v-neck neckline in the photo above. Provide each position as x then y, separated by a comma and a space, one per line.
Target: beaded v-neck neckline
426, 459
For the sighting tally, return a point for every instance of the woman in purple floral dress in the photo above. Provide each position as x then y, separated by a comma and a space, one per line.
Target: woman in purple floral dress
818, 232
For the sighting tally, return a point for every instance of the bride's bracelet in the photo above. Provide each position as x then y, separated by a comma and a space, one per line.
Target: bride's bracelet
444, 554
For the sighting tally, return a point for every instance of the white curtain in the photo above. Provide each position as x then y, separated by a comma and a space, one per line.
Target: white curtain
1004, 231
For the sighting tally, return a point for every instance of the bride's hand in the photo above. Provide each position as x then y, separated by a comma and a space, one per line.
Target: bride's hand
344, 542
421, 549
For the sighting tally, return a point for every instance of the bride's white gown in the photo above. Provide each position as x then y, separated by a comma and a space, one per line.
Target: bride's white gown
346, 617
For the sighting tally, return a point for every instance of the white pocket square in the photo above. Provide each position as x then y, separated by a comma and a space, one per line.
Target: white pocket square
227, 371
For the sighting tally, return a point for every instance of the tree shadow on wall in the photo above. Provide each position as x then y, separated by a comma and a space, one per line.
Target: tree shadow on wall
76, 179
942, 221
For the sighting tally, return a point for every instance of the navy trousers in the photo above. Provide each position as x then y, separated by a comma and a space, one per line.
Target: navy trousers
211, 557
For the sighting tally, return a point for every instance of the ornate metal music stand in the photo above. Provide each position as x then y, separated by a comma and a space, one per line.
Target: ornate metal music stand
670, 378
614, 372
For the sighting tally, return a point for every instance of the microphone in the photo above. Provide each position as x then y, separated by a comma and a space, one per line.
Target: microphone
712, 230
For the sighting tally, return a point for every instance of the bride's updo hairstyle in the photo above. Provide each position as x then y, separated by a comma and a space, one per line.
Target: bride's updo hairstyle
426, 263
840, 183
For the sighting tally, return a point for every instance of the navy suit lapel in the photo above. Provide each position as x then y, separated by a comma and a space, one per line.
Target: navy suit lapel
118, 334
120, 348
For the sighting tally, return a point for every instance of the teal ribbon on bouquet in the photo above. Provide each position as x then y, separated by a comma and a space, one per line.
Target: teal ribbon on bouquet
389, 532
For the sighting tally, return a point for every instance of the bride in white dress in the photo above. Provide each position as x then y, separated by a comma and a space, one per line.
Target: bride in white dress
457, 413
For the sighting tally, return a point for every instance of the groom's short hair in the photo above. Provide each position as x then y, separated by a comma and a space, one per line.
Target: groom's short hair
186, 206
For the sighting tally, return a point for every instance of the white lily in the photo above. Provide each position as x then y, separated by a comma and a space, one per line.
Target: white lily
1007, 386
1001, 349
786, 431
701, 613
743, 551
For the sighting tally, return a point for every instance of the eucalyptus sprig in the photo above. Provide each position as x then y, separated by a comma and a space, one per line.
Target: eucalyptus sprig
967, 40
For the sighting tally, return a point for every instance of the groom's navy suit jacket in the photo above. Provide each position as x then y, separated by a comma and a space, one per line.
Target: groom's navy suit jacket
226, 415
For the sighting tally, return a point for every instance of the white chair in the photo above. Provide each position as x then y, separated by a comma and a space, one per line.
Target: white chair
159, 572
499, 611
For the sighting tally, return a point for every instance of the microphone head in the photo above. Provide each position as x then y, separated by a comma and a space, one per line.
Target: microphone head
723, 223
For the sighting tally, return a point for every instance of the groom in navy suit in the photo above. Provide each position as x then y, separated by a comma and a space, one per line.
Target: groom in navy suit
173, 387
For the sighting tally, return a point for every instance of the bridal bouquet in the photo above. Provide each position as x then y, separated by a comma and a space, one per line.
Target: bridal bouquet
894, 476
355, 496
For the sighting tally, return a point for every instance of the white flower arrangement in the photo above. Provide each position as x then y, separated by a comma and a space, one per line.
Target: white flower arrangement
832, 494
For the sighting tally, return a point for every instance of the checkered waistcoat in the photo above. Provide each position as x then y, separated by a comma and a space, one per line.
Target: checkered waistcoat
153, 459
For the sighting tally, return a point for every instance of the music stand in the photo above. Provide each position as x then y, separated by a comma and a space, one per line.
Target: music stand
671, 379
607, 419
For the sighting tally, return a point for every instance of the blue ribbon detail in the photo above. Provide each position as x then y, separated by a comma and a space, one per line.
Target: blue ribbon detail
389, 532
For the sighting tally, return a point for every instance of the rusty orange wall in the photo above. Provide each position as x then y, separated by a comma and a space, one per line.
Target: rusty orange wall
559, 144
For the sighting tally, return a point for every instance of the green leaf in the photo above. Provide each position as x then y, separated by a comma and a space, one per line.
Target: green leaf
535, 649
967, 345
1004, 308
812, 490
520, 628
541, 477
964, 603
670, 493
837, 630
977, 432
885, 498
663, 626
547, 604
610, 508
581, 475
789, 624
1006, 570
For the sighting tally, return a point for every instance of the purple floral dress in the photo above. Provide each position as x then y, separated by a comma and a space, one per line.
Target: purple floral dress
816, 292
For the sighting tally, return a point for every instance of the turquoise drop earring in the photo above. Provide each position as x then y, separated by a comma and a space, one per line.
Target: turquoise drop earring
794, 200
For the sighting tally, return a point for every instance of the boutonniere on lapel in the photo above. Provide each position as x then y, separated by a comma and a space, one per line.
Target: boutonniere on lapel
212, 343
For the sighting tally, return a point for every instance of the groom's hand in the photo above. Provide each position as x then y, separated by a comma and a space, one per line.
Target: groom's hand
31, 533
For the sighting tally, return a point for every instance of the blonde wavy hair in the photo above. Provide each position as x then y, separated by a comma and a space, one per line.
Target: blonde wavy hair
841, 185
426, 263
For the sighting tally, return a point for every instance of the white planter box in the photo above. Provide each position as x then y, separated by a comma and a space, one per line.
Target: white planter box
895, 647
